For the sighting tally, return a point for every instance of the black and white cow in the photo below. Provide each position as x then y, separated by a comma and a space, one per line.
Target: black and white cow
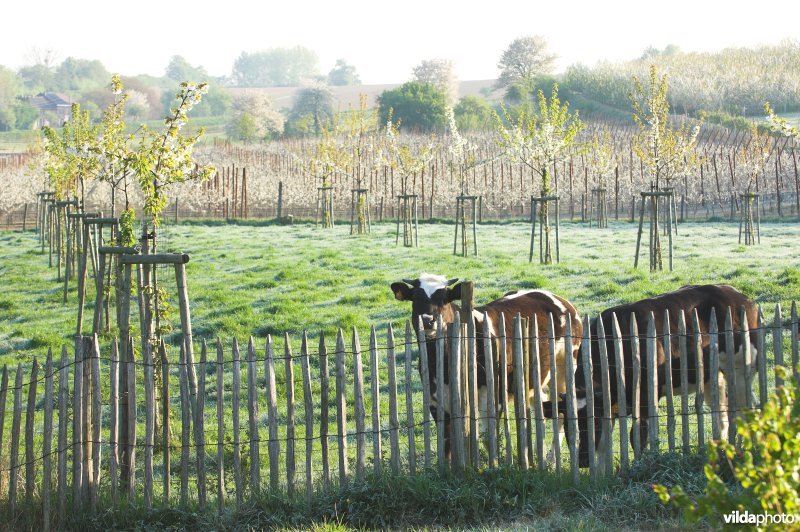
433, 295
701, 298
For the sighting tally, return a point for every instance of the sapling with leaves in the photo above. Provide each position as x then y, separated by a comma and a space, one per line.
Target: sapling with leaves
408, 156
116, 155
539, 141
667, 149
603, 160
164, 158
72, 154
322, 161
361, 133
753, 157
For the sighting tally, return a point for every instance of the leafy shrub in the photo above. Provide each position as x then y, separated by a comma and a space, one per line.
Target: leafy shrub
761, 477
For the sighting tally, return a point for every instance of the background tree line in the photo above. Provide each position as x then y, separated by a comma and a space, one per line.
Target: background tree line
734, 83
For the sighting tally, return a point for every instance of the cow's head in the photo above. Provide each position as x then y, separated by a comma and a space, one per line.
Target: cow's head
430, 297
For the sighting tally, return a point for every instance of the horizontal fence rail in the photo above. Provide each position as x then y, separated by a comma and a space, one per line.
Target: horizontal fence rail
99, 428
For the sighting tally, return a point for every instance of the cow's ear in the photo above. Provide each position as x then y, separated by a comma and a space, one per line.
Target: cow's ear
402, 292
454, 293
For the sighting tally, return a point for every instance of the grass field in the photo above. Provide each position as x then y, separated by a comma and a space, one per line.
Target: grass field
269, 279
257, 279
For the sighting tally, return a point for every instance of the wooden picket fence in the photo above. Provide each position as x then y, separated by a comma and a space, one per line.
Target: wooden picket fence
84, 434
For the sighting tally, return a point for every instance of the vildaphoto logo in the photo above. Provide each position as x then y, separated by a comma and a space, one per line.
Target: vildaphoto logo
748, 518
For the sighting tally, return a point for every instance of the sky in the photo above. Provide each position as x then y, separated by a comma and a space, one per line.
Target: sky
382, 40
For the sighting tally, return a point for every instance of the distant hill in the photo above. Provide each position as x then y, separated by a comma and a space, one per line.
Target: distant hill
343, 97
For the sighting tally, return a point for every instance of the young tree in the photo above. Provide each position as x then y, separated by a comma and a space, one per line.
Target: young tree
666, 149
163, 158
441, 74
540, 141
72, 155
753, 158
524, 60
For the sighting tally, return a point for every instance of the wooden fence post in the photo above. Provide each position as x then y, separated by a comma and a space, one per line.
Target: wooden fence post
572, 411
15, 431
252, 409
235, 407
491, 408
622, 402
358, 407
273, 445
668, 381
456, 413
551, 338
341, 408
323, 416
290, 422
440, 427
30, 415
394, 421
47, 440
412, 451
377, 452
519, 394
221, 419
308, 404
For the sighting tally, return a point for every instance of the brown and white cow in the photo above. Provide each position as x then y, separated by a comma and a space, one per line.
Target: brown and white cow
433, 295
700, 298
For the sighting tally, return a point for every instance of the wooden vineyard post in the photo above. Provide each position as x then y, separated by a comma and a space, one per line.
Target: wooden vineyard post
462, 220
407, 215
541, 206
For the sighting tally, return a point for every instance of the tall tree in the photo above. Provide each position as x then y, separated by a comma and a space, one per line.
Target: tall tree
9, 89
179, 70
80, 75
441, 74
311, 111
254, 118
417, 106
343, 74
524, 60
276, 67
